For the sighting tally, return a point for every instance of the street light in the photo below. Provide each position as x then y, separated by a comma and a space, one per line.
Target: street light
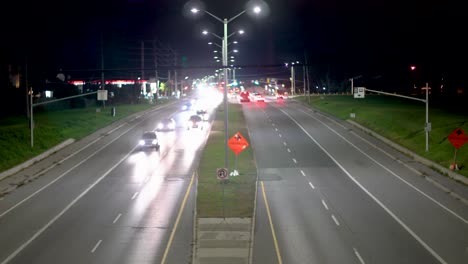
225, 22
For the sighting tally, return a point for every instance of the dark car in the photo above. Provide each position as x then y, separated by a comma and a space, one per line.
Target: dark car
167, 124
149, 140
195, 121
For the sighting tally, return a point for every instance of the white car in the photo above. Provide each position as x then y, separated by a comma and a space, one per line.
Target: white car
257, 97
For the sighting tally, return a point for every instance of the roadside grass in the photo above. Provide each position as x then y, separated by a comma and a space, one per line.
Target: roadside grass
53, 127
402, 121
239, 191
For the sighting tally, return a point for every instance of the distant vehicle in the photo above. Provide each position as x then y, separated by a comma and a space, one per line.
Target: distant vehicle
187, 106
149, 140
167, 124
281, 95
256, 97
244, 96
195, 121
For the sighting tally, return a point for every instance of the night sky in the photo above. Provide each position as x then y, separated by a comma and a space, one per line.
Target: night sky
342, 38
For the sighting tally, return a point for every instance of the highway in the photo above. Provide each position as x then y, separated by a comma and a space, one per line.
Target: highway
110, 202
331, 194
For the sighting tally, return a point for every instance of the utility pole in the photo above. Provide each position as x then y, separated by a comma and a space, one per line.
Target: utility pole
169, 86
307, 75
103, 83
27, 87
156, 76
175, 73
143, 67
293, 80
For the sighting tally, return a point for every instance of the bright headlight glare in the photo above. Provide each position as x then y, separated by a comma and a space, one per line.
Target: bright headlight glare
141, 142
154, 142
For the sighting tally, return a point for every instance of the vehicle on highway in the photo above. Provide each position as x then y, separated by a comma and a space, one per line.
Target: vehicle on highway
256, 97
281, 95
149, 139
167, 124
195, 121
244, 97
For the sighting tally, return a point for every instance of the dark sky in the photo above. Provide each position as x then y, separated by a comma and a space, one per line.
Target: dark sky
346, 37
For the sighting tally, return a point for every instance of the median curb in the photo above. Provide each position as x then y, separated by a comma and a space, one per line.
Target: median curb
26, 164
450, 173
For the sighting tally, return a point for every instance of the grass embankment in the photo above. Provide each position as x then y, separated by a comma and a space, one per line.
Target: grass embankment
52, 128
402, 121
239, 191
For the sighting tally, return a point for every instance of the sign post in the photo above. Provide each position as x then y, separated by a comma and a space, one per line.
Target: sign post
222, 174
458, 138
237, 143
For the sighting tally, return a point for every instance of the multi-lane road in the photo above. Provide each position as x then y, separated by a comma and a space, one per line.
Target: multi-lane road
328, 194
110, 202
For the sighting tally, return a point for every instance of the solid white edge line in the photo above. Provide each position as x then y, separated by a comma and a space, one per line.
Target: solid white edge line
359, 256
311, 185
134, 195
395, 175
38, 233
303, 174
117, 218
96, 246
335, 220
62, 175
396, 218
325, 204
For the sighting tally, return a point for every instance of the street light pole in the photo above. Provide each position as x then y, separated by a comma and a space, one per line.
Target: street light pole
225, 53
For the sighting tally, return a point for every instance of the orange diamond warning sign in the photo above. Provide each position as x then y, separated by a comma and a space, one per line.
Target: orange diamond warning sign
237, 143
458, 138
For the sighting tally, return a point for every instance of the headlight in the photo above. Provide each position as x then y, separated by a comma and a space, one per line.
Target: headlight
171, 126
154, 142
160, 126
141, 142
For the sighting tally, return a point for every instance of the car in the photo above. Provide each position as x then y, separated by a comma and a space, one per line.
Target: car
149, 139
167, 124
195, 121
281, 95
244, 97
256, 97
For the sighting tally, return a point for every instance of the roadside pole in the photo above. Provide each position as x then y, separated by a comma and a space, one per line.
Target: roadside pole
427, 125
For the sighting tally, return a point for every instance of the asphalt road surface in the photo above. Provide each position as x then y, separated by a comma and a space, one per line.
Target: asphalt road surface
110, 202
328, 194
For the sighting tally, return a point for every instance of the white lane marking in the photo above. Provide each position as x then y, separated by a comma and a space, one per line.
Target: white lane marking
289, 150
117, 218
276, 129
63, 174
284, 143
273, 124
295, 161
134, 195
359, 256
303, 174
388, 154
96, 246
335, 220
396, 218
280, 135
395, 175
325, 204
311, 185
44, 228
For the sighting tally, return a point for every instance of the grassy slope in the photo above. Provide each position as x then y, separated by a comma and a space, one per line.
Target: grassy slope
52, 128
402, 121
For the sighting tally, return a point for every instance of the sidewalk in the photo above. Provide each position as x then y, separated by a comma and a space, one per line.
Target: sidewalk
223, 241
